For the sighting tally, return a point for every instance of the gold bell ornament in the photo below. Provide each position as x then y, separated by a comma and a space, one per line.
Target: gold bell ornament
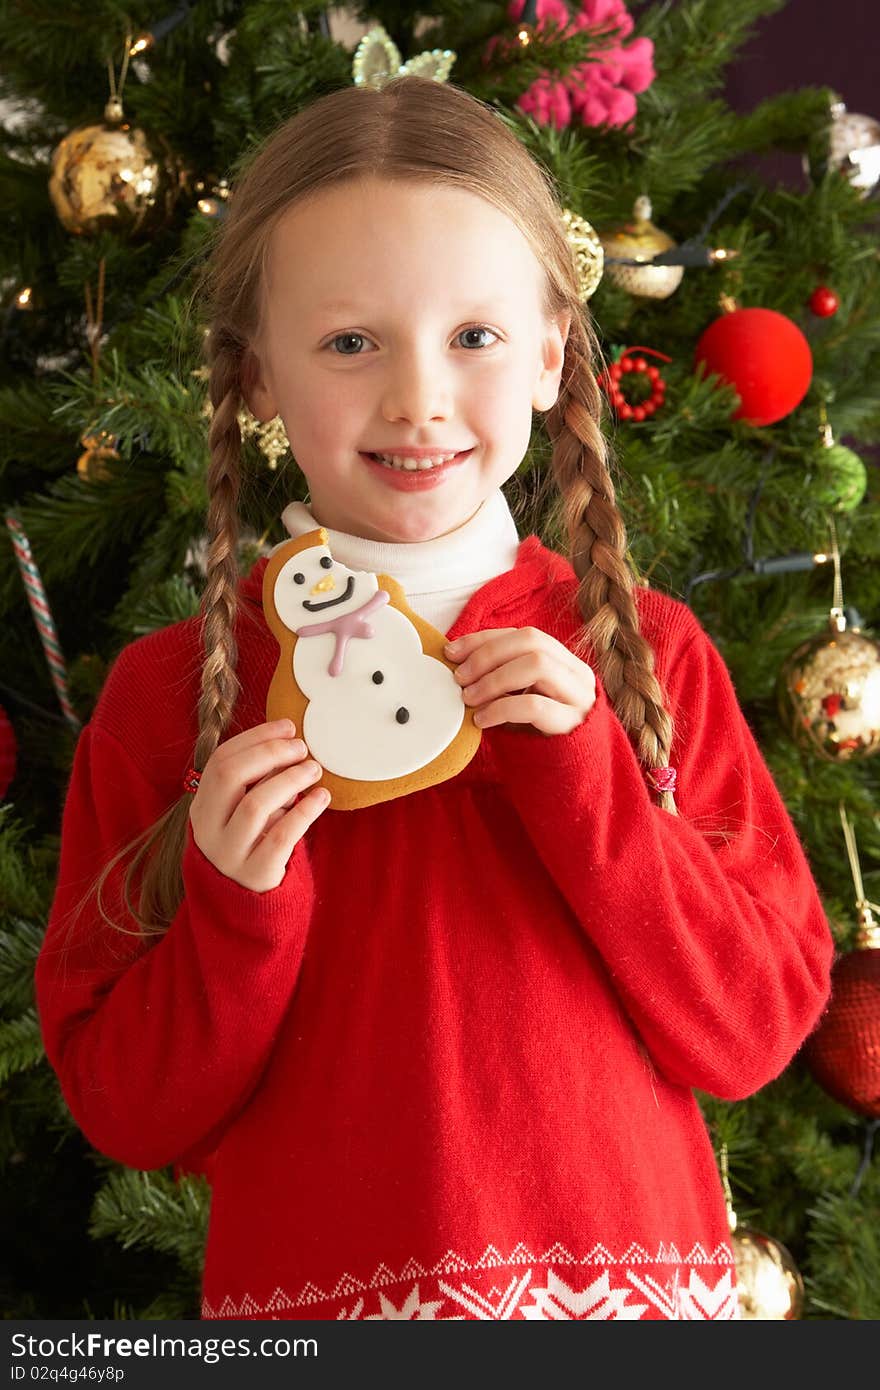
828, 689
115, 176
639, 240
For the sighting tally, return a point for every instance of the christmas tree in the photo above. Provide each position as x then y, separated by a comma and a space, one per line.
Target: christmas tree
740, 325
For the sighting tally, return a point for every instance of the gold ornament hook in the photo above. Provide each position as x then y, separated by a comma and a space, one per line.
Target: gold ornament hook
113, 109
869, 930
728, 1195
836, 617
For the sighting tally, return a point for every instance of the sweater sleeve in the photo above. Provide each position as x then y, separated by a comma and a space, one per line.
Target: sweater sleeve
157, 1043
709, 923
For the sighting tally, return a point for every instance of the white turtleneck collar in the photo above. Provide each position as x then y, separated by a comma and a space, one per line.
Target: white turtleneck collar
438, 576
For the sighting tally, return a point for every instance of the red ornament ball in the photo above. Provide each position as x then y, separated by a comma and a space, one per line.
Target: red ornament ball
764, 356
824, 302
8, 749
843, 1054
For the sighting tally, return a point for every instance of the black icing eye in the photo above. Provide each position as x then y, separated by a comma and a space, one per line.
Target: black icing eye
326, 562
299, 579
378, 678
402, 715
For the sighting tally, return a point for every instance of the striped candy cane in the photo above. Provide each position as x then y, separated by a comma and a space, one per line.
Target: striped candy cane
42, 615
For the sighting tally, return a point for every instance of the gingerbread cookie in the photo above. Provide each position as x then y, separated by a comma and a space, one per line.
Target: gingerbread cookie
363, 677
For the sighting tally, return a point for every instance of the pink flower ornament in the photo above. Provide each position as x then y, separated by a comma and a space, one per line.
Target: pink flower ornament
600, 91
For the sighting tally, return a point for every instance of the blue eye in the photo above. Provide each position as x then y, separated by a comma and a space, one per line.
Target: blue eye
478, 328
347, 337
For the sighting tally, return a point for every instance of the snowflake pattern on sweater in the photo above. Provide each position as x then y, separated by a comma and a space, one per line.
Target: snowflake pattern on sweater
699, 1287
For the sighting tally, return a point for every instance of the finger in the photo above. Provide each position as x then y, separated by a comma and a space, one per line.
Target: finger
258, 733
461, 647
225, 781
251, 818
536, 671
504, 644
547, 716
278, 843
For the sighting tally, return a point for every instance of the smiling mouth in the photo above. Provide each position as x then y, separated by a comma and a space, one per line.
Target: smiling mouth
328, 603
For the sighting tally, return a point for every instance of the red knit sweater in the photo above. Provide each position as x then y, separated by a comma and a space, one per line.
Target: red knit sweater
444, 1069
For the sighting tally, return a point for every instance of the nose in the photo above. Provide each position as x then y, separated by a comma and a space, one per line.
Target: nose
417, 388
323, 586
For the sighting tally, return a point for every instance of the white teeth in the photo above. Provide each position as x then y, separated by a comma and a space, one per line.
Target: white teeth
413, 465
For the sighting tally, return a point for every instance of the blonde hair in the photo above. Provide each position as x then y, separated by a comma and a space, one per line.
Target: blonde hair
436, 133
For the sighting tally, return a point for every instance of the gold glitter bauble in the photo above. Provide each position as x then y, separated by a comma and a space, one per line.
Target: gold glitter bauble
377, 60
640, 240
828, 694
114, 176
588, 252
768, 1282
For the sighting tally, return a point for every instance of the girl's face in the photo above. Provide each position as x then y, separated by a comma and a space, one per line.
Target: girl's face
400, 317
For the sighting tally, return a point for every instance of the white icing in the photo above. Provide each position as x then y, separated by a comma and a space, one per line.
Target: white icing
350, 723
321, 584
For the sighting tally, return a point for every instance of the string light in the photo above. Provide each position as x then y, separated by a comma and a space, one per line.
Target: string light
164, 26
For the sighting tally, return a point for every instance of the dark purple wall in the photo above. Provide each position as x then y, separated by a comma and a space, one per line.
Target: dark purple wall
812, 43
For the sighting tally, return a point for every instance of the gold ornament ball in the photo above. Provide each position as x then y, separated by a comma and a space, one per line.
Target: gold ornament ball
114, 176
828, 695
640, 240
768, 1282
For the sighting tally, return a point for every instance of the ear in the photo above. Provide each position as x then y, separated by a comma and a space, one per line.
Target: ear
549, 376
257, 394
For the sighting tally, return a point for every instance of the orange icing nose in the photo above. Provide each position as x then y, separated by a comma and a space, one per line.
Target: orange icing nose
324, 585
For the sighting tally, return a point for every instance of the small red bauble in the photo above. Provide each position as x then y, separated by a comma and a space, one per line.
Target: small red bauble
824, 302
843, 1054
764, 356
7, 752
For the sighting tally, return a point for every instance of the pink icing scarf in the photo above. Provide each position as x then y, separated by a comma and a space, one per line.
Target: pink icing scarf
346, 626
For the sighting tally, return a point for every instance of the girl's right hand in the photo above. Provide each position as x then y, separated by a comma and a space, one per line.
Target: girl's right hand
254, 803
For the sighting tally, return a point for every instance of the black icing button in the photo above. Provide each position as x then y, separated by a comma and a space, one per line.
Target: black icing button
378, 678
402, 715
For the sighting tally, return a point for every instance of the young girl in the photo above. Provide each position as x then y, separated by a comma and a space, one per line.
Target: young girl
436, 1055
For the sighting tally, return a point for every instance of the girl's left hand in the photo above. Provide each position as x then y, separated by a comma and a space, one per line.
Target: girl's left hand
521, 675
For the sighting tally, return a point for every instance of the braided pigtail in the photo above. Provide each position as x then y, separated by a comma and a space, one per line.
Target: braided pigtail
220, 683
160, 848
597, 546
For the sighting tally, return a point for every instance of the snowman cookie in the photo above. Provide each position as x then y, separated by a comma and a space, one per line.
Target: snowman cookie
363, 677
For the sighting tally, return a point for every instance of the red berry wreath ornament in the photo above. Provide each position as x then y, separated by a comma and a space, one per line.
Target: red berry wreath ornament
645, 387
